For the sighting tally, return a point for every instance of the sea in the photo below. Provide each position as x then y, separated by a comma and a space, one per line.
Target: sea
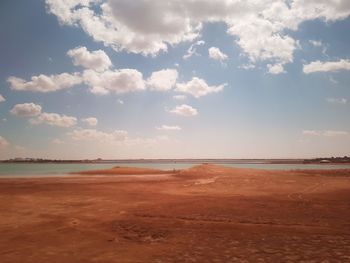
64, 169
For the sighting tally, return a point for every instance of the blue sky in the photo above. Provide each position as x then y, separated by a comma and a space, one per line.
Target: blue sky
263, 79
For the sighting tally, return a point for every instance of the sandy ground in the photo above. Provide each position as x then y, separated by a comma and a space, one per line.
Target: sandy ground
204, 214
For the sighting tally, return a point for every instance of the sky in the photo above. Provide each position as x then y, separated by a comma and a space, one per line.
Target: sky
123, 79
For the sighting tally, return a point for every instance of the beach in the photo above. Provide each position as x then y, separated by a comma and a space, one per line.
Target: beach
208, 213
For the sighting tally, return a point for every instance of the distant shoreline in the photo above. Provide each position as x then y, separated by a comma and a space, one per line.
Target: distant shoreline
326, 161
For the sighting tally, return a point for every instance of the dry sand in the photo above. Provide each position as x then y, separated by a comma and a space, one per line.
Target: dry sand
204, 214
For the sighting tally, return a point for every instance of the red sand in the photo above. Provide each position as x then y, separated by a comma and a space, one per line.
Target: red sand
205, 214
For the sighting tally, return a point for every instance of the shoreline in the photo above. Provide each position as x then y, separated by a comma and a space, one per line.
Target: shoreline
178, 161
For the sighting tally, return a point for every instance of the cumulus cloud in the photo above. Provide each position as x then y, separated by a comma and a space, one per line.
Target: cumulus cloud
192, 50
117, 81
168, 128
198, 87
326, 133
34, 110
162, 80
275, 69
2, 99
262, 39
150, 26
44, 83
337, 100
96, 60
54, 119
3, 142
128, 80
100, 136
216, 54
157, 23
91, 121
26, 110
331, 66
185, 110
98, 77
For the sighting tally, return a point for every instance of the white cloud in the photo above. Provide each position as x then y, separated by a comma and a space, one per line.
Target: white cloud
117, 26
275, 69
325, 133
247, 66
54, 119
162, 80
150, 26
100, 136
216, 54
180, 97
26, 110
331, 66
92, 121
337, 100
44, 83
316, 43
2, 99
121, 102
128, 80
168, 128
96, 60
63, 9
185, 110
118, 81
198, 87
261, 40
34, 110
329, 10
192, 50
3, 142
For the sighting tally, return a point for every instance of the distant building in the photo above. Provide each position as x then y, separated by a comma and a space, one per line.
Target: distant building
325, 161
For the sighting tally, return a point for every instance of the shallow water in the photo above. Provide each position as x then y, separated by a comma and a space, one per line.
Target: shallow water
54, 169
44, 169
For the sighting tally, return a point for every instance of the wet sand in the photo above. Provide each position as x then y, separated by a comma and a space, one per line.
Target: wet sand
204, 214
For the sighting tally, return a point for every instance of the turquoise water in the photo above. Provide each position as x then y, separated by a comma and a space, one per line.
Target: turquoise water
51, 169
43, 169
